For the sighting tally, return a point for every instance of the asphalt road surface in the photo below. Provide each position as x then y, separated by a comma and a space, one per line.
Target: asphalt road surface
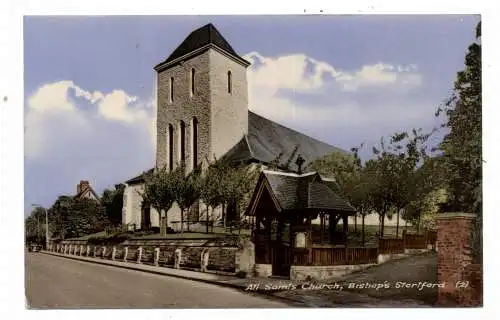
60, 283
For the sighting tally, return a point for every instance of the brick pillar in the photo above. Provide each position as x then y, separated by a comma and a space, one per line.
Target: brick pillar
455, 259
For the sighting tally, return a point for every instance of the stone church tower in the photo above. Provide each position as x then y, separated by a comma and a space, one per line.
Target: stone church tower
202, 100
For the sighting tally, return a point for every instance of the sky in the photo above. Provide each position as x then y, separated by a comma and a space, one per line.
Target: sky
90, 109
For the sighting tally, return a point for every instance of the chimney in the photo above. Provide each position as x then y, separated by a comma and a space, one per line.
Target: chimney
81, 186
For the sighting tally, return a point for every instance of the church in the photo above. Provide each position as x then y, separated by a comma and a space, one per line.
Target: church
203, 112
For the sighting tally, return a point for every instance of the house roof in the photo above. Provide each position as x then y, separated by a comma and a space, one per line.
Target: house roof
199, 38
304, 191
84, 190
266, 140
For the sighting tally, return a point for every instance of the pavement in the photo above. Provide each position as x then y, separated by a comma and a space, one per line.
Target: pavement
310, 294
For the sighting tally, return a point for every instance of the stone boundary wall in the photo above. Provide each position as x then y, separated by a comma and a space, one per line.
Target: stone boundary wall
208, 255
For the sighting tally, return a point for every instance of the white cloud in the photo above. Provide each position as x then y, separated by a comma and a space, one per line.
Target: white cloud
334, 104
52, 105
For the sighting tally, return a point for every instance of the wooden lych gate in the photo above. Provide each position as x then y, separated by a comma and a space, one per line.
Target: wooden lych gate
283, 208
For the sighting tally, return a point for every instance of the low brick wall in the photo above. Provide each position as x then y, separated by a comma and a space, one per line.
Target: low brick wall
148, 255
120, 251
98, 251
167, 256
191, 257
132, 253
222, 259
108, 253
229, 254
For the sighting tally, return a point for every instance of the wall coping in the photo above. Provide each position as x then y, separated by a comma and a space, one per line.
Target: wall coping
455, 215
332, 267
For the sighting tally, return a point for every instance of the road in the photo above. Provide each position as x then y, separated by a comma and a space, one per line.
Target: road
56, 282
411, 270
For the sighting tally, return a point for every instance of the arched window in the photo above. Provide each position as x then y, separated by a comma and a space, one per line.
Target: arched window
229, 82
170, 147
182, 141
192, 81
172, 89
194, 142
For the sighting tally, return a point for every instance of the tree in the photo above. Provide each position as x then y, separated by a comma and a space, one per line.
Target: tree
350, 176
112, 200
186, 189
159, 192
238, 182
462, 146
212, 186
85, 216
428, 180
34, 226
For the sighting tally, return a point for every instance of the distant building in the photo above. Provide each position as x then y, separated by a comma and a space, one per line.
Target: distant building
85, 191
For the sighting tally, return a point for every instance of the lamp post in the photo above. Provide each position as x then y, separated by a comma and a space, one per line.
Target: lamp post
46, 225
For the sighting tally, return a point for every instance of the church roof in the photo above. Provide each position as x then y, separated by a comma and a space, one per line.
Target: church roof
139, 178
266, 140
199, 38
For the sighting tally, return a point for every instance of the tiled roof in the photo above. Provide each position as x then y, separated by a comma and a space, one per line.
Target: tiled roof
139, 178
199, 38
84, 190
305, 191
266, 140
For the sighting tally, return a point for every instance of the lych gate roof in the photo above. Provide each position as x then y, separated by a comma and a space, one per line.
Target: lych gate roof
199, 38
304, 191
266, 140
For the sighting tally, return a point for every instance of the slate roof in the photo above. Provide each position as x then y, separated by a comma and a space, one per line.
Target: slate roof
266, 139
199, 38
139, 178
305, 191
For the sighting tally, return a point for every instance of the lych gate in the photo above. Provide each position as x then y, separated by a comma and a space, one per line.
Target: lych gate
283, 207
